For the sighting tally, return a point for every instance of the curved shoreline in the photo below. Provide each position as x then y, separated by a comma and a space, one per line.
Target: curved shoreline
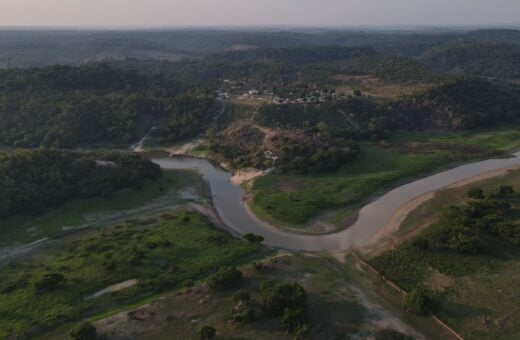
394, 224
373, 217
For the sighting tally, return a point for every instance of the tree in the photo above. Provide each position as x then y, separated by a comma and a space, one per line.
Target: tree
207, 332
225, 278
277, 297
357, 92
85, 331
288, 302
475, 193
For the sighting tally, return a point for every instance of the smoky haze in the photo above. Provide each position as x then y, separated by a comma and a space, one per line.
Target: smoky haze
142, 13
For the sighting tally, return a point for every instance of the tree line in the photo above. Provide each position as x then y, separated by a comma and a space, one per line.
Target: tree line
33, 181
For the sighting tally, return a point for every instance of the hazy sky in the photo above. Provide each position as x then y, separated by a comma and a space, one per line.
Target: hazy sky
257, 12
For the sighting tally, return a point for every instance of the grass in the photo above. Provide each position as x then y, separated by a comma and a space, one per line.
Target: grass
503, 139
295, 200
163, 192
163, 254
480, 299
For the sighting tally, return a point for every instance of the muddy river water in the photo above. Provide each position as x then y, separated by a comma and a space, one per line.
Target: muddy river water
228, 199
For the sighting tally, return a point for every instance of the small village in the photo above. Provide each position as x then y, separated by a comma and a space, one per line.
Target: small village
243, 90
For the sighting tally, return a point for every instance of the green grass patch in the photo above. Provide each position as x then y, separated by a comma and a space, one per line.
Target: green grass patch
162, 254
99, 211
377, 170
503, 139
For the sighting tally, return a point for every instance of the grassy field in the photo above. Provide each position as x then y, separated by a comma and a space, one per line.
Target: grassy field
164, 253
154, 196
293, 201
479, 292
342, 304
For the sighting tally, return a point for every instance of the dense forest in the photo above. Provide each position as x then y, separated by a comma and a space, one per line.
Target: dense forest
33, 181
477, 59
454, 104
65, 107
29, 48
297, 151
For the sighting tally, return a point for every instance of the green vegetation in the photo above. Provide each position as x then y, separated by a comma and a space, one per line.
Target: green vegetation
300, 152
466, 256
66, 107
85, 331
469, 235
207, 332
225, 278
419, 302
453, 104
287, 302
31, 182
496, 60
336, 298
154, 196
161, 254
296, 199
252, 238
462, 103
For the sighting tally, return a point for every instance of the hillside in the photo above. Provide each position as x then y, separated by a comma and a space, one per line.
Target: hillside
66, 107
490, 60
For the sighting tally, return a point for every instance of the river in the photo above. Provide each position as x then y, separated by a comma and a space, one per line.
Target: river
229, 201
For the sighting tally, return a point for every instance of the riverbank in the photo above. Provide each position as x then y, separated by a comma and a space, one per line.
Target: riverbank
333, 199
175, 188
398, 218
475, 290
228, 200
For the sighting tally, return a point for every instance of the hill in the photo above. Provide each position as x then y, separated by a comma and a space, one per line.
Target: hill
490, 60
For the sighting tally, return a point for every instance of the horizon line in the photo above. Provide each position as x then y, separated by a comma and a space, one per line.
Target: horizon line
261, 26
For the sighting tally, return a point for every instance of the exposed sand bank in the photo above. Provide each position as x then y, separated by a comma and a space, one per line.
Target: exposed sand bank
242, 176
398, 218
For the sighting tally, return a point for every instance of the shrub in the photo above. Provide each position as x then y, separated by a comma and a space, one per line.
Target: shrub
207, 332
418, 302
391, 334
241, 295
243, 312
259, 266
49, 282
505, 190
254, 239
475, 193
85, 331
226, 278
294, 319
